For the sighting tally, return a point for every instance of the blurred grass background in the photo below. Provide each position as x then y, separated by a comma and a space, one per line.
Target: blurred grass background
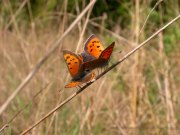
140, 96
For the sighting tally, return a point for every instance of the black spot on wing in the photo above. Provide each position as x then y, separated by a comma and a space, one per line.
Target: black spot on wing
91, 45
67, 57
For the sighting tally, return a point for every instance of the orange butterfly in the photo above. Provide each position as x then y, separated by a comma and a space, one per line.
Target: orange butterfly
76, 69
94, 54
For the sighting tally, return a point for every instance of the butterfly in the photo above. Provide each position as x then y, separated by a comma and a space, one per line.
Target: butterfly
76, 69
94, 55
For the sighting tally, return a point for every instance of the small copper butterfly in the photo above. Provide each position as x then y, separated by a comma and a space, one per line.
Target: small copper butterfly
76, 69
94, 54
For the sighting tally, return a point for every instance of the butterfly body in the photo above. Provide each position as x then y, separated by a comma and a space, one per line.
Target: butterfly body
80, 76
86, 57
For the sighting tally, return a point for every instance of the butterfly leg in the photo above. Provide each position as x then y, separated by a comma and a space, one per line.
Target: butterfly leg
82, 85
98, 71
79, 86
103, 68
106, 67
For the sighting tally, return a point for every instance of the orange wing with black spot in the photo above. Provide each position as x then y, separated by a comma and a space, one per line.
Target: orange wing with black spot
93, 46
72, 84
86, 79
73, 63
107, 52
102, 60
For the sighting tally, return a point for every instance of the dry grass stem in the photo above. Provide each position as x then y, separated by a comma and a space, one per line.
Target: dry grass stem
83, 30
4, 127
16, 14
144, 24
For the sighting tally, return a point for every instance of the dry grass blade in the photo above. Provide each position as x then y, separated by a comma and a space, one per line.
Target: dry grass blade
99, 76
83, 31
30, 102
157, 3
21, 110
48, 114
125, 41
17, 13
43, 59
3, 128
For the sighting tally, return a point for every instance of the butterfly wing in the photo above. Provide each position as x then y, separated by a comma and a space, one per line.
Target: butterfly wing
93, 46
73, 63
106, 53
101, 61
87, 78
72, 84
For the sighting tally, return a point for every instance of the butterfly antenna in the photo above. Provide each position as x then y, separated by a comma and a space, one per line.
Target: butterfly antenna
81, 85
102, 69
106, 67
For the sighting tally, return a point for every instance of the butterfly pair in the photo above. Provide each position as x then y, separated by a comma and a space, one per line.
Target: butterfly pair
80, 65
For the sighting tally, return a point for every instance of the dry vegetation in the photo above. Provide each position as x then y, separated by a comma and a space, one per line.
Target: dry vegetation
140, 96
